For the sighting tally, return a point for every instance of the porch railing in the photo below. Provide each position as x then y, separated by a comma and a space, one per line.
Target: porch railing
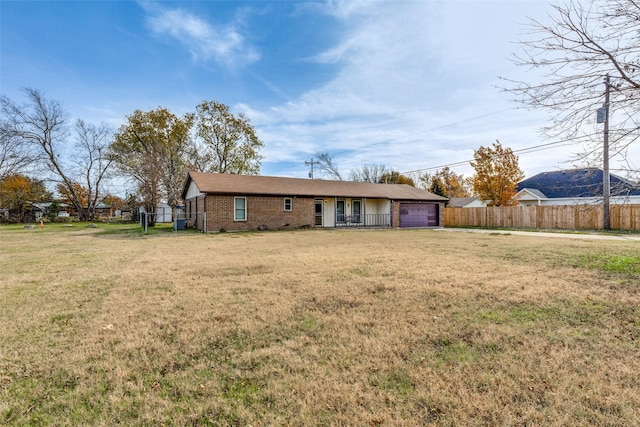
363, 220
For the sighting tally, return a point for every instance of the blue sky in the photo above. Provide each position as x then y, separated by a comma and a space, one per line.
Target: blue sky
407, 84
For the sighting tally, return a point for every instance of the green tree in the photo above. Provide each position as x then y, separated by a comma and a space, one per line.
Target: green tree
151, 148
225, 143
497, 175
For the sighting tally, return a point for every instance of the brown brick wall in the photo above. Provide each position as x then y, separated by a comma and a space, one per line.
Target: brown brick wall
194, 210
267, 211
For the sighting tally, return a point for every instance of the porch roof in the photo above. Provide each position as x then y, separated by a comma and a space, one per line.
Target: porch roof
217, 183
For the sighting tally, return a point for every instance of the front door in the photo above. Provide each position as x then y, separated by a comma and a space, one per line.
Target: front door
340, 211
318, 213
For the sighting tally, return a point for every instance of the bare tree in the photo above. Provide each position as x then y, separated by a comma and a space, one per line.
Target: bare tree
39, 130
42, 124
15, 157
327, 166
94, 162
372, 173
578, 47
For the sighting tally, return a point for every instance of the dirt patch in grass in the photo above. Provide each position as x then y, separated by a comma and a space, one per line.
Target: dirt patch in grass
317, 327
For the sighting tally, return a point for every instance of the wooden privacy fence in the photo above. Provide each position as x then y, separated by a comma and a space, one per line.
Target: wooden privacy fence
575, 217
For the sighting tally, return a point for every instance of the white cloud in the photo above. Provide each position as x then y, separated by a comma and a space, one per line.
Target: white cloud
413, 88
223, 44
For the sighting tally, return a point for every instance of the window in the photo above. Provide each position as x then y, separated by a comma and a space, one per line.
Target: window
240, 205
288, 204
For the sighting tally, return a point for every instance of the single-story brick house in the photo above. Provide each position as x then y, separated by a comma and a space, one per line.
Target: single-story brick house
215, 202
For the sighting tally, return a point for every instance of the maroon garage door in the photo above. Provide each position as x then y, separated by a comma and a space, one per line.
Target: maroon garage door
418, 215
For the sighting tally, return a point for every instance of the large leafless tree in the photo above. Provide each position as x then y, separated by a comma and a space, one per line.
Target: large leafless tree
327, 166
40, 124
94, 162
576, 47
371, 173
40, 128
15, 157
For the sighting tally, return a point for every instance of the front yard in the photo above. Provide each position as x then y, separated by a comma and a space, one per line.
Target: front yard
104, 326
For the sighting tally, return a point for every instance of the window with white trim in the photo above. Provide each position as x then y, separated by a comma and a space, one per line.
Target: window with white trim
288, 204
240, 208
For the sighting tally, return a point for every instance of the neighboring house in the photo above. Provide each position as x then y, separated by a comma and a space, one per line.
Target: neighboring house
215, 202
38, 210
565, 187
575, 187
101, 210
465, 202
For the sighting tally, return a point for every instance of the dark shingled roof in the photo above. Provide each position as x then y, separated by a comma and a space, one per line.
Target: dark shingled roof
219, 183
585, 182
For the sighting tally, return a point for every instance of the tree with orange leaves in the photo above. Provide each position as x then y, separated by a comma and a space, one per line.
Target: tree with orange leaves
18, 191
497, 174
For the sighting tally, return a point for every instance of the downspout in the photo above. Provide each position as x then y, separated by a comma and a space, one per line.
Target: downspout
204, 211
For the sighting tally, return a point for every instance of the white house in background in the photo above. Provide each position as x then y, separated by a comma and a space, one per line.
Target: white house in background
565, 187
465, 202
575, 187
164, 213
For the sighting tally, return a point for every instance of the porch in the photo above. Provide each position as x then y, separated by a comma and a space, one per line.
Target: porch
364, 220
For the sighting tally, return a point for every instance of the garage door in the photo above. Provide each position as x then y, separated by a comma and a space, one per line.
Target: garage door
418, 215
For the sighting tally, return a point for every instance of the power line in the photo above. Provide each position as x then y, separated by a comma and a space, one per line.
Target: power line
386, 141
525, 150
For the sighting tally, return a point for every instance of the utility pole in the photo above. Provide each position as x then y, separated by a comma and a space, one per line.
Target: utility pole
311, 163
606, 179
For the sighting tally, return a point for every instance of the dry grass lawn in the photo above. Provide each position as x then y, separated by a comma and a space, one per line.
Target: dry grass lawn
317, 327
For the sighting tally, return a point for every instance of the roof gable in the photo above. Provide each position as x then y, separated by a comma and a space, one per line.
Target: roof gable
218, 183
585, 182
530, 194
459, 202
